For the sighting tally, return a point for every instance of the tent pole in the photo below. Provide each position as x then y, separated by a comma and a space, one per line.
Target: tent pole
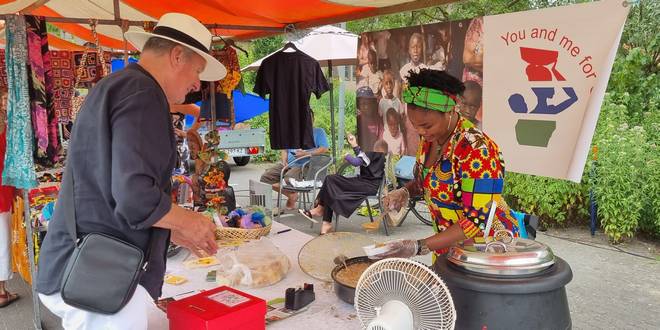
33, 265
342, 109
115, 4
332, 112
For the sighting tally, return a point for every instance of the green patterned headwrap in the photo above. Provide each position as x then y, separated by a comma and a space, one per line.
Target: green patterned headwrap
428, 98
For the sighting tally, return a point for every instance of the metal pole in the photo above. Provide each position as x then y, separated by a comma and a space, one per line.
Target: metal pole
212, 108
332, 111
33, 268
342, 108
342, 103
115, 4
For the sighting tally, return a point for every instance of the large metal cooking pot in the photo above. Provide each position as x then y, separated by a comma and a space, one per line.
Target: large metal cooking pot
515, 285
346, 292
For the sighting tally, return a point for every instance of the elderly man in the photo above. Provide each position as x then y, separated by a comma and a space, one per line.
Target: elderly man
121, 154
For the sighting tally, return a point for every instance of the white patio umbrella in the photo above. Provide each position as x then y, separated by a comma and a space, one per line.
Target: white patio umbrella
330, 45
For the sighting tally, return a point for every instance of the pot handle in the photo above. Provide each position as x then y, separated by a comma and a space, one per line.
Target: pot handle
490, 246
340, 260
509, 238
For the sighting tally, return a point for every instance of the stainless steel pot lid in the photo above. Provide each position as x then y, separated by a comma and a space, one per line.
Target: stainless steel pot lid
504, 257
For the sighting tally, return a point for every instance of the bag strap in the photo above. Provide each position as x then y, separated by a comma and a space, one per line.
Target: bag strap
67, 190
70, 215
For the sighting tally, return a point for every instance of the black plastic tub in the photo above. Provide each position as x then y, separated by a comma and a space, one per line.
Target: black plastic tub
343, 291
535, 301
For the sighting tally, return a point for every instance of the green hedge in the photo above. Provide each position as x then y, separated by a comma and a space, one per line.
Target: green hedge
626, 181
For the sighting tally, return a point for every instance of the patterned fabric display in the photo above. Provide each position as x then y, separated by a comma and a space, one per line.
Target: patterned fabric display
228, 57
19, 163
459, 187
93, 71
37, 86
19, 248
63, 80
3, 71
64, 66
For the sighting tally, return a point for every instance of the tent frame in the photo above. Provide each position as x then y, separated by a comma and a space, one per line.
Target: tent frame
264, 31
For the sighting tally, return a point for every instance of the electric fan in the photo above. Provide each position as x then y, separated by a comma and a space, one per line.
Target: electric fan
398, 294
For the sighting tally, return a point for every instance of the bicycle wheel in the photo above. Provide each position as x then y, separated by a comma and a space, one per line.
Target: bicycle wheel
421, 211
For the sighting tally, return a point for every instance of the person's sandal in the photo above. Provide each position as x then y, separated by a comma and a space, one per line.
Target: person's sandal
307, 214
8, 298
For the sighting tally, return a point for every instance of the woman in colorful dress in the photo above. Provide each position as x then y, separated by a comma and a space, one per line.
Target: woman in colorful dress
459, 169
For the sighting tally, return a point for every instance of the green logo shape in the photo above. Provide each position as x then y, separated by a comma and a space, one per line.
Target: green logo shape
535, 133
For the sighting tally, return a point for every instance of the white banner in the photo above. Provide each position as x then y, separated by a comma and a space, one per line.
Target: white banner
545, 75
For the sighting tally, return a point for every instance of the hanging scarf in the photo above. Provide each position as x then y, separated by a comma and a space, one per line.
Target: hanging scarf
19, 163
3, 71
63, 80
36, 32
228, 57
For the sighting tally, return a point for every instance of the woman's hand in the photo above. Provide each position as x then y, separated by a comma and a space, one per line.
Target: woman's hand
396, 199
402, 248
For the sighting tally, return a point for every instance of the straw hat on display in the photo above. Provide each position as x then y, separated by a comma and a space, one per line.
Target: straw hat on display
186, 31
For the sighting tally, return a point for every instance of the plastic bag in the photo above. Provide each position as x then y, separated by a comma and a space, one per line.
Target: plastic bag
255, 264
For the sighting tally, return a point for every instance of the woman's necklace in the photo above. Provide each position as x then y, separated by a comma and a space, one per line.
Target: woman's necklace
440, 147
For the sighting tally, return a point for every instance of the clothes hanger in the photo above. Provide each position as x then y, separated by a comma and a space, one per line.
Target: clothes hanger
290, 45
290, 31
231, 43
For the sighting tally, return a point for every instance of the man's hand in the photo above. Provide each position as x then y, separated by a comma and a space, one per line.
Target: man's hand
197, 234
301, 153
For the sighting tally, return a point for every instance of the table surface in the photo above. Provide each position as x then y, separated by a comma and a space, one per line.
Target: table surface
326, 312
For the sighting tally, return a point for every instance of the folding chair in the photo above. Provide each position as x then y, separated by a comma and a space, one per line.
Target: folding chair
315, 170
261, 194
378, 197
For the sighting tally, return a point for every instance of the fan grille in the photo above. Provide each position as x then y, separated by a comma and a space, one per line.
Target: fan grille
410, 282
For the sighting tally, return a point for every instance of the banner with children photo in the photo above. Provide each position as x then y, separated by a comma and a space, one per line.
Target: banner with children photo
386, 57
534, 81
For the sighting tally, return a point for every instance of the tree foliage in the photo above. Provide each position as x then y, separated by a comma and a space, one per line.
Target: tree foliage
625, 181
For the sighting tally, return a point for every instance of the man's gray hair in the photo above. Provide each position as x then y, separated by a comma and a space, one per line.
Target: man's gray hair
161, 46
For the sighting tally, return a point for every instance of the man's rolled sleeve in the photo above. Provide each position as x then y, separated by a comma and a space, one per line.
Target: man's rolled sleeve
141, 149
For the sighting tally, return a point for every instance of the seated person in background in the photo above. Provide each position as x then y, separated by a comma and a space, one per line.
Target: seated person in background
343, 195
272, 175
392, 134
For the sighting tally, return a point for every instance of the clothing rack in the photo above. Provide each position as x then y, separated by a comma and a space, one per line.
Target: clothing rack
33, 268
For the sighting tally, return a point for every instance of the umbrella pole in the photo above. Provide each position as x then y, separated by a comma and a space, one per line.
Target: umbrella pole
332, 112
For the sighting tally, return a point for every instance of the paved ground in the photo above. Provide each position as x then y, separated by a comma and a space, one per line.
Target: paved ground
612, 287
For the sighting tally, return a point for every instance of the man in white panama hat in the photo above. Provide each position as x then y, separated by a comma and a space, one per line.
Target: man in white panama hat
121, 156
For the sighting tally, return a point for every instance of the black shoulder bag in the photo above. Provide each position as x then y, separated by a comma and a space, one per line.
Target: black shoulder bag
103, 271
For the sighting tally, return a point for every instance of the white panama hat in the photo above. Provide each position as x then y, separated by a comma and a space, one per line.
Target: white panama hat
186, 31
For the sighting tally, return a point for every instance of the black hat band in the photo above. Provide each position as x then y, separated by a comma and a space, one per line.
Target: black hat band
180, 36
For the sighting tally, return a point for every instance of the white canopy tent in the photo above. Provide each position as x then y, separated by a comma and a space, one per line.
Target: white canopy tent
325, 44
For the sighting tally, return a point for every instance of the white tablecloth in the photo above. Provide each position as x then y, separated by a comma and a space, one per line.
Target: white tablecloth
326, 312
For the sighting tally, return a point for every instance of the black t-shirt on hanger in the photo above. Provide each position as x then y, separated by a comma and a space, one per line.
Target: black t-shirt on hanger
290, 79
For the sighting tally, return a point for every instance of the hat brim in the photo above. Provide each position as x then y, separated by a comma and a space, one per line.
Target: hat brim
213, 71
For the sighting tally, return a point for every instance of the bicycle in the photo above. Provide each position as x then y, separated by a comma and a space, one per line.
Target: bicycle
416, 205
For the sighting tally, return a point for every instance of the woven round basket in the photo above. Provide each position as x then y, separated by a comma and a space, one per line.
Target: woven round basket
229, 233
